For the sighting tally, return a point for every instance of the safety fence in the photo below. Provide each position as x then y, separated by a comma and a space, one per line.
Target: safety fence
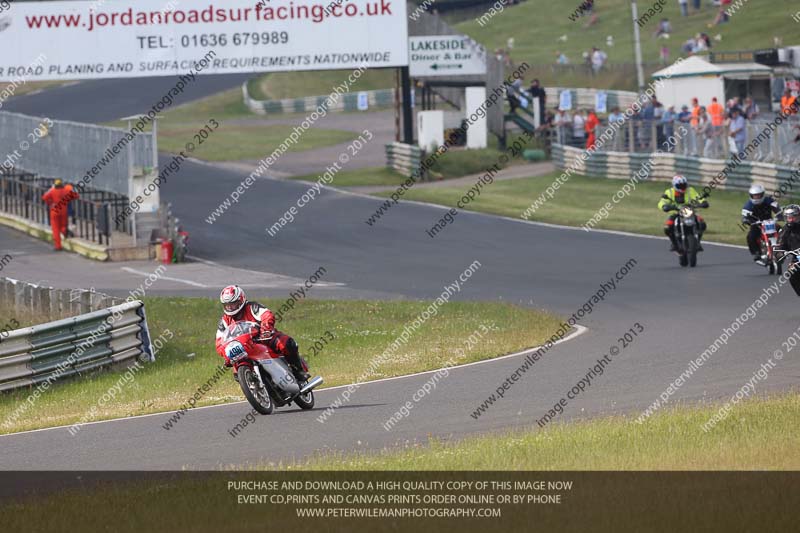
681, 138
405, 159
379, 98
92, 216
71, 150
664, 165
71, 346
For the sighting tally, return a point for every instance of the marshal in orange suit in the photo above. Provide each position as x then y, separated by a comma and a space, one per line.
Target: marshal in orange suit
58, 199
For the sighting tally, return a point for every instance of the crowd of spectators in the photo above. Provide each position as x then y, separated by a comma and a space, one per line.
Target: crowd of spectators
696, 130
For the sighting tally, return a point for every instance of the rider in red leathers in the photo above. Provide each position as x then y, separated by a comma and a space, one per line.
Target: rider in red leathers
237, 309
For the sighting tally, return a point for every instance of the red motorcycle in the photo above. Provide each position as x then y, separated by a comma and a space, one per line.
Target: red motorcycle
265, 377
767, 242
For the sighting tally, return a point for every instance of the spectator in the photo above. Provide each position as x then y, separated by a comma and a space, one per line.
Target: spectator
689, 46
664, 55
716, 114
598, 59
548, 121
751, 110
696, 5
512, 93
684, 7
563, 124
578, 129
738, 131
685, 115
788, 103
668, 127
722, 14
616, 117
705, 131
695, 112
537, 91
561, 59
685, 118
588, 10
592, 122
664, 29
700, 44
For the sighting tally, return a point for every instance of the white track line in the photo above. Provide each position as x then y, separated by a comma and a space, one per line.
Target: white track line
289, 278
178, 280
522, 221
579, 330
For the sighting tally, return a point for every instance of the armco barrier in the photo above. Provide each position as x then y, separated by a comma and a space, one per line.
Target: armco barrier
404, 158
699, 171
379, 98
60, 349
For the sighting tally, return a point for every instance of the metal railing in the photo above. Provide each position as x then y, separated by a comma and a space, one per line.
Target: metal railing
648, 136
93, 216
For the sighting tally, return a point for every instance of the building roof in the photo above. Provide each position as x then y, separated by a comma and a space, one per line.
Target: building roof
699, 66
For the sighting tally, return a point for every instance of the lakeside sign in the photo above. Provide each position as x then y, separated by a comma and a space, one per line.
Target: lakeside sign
140, 38
445, 55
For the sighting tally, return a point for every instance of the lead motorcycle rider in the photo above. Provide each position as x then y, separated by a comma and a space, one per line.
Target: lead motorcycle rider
678, 195
758, 208
237, 308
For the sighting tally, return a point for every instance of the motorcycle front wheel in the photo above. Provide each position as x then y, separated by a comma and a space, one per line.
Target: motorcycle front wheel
305, 401
691, 250
257, 395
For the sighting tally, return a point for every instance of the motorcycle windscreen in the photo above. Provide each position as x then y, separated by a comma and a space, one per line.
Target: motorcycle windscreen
238, 329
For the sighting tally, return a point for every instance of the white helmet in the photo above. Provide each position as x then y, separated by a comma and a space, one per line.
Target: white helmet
232, 299
679, 182
756, 194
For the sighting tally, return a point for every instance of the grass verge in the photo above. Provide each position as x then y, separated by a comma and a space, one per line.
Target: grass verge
232, 141
759, 434
362, 331
580, 198
360, 177
277, 86
235, 142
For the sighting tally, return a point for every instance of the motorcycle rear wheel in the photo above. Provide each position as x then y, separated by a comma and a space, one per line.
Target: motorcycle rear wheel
260, 400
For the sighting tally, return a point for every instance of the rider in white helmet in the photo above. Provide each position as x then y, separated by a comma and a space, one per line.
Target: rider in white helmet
236, 308
679, 194
759, 207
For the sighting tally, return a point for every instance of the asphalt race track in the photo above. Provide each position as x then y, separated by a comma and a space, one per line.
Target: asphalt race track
682, 311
